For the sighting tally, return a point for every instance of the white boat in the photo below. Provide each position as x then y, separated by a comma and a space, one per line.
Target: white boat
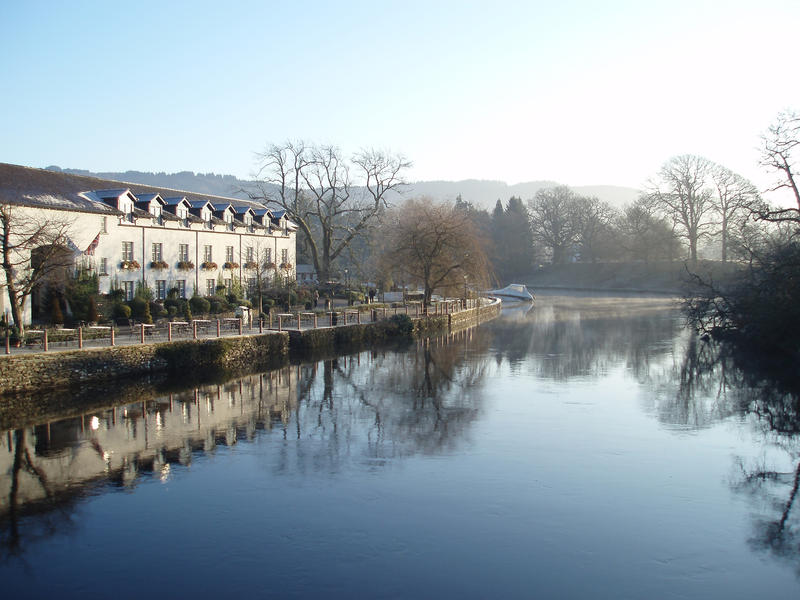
516, 292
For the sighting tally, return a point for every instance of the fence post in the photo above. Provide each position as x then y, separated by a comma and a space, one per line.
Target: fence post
280, 323
240, 325
260, 324
194, 330
8, 343
315, 320
80, 337
298, 321
45, 345
219, 330
112, 335
141, 333
358, 317
169, 331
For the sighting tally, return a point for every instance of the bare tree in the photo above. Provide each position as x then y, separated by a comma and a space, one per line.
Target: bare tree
553, 215
593, 220
33, 250
681, 193
735, 197
643, 234
434, 245
780, 146
314, 185
779, 155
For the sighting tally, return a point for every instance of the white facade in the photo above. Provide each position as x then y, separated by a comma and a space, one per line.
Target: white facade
145, 238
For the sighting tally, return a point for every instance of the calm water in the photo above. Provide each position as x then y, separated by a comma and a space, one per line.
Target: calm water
586, 449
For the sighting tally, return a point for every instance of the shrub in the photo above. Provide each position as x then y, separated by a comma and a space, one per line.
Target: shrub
121, 311
200, 305
157, 310
139, 308
117, 295
92, 315
218, 305
403, 323
56, 315
143, 291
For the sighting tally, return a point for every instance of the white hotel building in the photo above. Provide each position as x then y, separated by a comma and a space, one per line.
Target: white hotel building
129, 233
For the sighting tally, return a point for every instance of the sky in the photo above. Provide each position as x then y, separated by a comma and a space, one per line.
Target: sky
579, 92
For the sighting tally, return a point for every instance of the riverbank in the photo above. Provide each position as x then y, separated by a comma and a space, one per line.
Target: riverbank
61, 370
661, 277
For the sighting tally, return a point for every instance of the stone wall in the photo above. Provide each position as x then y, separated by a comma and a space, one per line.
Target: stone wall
61, 370
42, 371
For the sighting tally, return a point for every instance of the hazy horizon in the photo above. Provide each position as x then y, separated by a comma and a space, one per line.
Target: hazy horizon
579, 93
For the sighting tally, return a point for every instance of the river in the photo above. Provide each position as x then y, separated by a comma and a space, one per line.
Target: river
588, 448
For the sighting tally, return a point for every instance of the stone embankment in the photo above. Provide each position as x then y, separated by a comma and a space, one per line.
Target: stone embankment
61, 370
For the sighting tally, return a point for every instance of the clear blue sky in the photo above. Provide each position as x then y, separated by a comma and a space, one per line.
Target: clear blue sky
578, 92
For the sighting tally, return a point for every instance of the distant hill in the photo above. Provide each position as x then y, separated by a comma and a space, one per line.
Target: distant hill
200, 183
484, 194
481, 193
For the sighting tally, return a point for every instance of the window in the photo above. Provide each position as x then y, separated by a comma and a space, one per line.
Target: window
211, 284
207, 254
252, 286
183, 252
161, 289
181, 285
127, 286
268, 256
103, 266
284, 256
157, 252
228, 253
228, 285
249, 254
105, 225
127, 251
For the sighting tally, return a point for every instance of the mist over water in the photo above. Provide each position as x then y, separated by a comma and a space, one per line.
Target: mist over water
589, 447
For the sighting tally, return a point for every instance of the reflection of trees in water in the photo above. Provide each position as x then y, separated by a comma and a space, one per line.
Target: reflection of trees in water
717, 380
698, 388
381, 405
772, 483
560, 343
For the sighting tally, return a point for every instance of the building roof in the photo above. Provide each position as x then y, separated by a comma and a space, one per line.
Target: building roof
26, 186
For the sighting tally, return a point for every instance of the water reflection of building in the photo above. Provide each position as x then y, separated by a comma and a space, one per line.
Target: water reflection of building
44, 461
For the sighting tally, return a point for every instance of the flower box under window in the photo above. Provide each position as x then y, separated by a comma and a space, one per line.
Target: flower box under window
129, 265
208, 266
230, 265
185, 265
159, 265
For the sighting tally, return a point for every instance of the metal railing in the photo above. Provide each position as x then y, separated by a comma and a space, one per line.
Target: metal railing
94, 336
